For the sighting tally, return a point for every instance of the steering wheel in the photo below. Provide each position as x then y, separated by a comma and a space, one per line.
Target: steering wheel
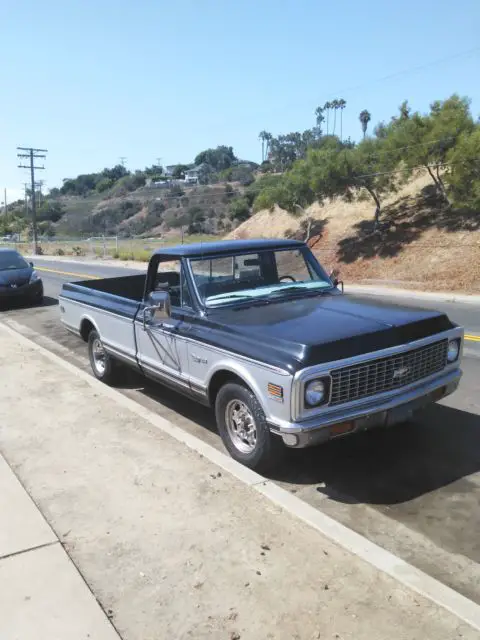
289, 277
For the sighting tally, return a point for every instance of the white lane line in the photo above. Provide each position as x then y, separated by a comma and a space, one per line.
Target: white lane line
383, 560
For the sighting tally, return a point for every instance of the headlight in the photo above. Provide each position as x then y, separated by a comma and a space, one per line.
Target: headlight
315, 392
453, 350
34, 276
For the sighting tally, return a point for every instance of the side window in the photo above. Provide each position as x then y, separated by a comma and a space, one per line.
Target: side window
170, 277
248, 267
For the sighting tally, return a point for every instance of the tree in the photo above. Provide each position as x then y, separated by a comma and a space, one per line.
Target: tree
341, 105
364, 118
179, 171
117, 172
333, 170
334, 105
319, 117
104, 184
266, 138
239, 209
463, 178
426, 140
326, 107
219, 159
404, 110
50, 211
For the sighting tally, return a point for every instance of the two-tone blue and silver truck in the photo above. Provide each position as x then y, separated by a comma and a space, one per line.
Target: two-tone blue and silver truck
259, 331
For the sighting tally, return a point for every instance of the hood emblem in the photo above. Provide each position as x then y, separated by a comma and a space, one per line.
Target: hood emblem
400, 373
13, 285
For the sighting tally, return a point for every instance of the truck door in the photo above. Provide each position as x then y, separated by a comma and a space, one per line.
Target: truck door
161, 347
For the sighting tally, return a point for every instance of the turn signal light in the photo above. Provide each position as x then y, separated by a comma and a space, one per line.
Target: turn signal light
341, 428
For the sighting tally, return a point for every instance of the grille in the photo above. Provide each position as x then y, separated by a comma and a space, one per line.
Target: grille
385, 374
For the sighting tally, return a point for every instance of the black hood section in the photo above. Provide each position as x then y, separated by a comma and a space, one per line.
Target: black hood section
19, 277
298, 333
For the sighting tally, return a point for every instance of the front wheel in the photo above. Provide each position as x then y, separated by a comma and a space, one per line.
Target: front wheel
103, 365
243, 428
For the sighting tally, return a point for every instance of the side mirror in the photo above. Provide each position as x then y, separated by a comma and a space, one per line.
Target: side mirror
31, 264
334, 278
158, 306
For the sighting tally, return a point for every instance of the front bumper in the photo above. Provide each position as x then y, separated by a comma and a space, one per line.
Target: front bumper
29, 291
373, 413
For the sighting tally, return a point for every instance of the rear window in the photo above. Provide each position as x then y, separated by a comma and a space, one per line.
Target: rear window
12, 260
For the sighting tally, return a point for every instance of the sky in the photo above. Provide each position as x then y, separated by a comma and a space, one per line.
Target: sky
95, 80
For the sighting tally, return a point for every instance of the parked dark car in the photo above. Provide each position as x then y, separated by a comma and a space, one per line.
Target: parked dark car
18, 279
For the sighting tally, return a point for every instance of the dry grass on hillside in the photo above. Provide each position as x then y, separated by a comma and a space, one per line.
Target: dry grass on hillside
420, 243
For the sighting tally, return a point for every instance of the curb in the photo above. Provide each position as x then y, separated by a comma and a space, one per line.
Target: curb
376, 556
413, 294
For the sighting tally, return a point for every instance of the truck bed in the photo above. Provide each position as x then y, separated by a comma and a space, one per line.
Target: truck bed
131, 287
110, 305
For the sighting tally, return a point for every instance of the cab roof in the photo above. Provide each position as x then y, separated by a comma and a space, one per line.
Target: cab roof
223, 247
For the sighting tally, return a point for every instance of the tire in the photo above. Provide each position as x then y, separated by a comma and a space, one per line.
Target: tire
107, 371
262, 451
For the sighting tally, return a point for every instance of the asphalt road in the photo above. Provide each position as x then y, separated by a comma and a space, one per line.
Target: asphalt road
414, 489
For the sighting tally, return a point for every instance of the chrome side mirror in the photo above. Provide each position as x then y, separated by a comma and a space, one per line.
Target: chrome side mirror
334, 278
158, 307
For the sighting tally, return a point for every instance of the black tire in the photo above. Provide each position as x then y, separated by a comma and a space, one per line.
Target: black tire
109, 372
268, 449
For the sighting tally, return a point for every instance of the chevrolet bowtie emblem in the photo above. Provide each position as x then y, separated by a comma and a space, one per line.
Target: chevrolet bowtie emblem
400, 373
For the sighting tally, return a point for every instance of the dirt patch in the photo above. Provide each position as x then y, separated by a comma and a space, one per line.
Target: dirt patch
420, 241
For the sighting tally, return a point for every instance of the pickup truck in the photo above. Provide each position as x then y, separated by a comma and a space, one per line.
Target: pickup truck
258, 330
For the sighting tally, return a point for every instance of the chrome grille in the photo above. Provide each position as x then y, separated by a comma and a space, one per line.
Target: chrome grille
385, 374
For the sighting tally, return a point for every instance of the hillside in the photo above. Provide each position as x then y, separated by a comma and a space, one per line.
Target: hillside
150, 211
420, 242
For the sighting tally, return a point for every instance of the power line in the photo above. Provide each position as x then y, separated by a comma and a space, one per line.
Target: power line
32, 155
405, 71
421, 166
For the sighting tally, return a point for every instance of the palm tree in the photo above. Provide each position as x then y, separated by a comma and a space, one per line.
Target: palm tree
326, 107
334, 107
341, 105
364, 118
265, 137
319, 116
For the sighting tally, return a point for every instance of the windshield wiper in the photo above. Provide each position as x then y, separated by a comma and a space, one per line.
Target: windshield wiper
229, 296
299, 290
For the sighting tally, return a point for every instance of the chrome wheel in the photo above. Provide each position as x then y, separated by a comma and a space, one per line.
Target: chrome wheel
241, 426
99, 356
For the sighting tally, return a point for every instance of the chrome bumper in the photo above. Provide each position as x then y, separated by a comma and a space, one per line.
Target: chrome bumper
374, 412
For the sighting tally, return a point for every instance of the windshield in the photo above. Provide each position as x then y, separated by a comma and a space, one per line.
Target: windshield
11, 260
262, 275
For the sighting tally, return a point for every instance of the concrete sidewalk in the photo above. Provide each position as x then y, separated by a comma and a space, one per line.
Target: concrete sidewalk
171, 545
42, 595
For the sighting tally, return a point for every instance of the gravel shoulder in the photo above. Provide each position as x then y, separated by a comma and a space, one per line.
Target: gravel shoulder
173, 546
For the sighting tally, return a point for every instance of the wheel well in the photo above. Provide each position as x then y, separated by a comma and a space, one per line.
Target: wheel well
85, 329
220, 378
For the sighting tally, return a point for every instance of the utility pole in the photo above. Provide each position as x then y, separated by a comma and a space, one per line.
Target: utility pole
32, 155
5, 200
122, 160
25, 184
40, 184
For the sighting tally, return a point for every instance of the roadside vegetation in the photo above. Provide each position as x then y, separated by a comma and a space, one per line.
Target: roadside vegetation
356, 200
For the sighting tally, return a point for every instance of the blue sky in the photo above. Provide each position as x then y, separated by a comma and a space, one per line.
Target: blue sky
94, 80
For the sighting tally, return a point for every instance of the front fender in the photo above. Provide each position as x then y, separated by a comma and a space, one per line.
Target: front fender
257, 379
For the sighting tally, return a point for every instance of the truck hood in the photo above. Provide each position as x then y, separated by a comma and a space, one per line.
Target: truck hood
302, 332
